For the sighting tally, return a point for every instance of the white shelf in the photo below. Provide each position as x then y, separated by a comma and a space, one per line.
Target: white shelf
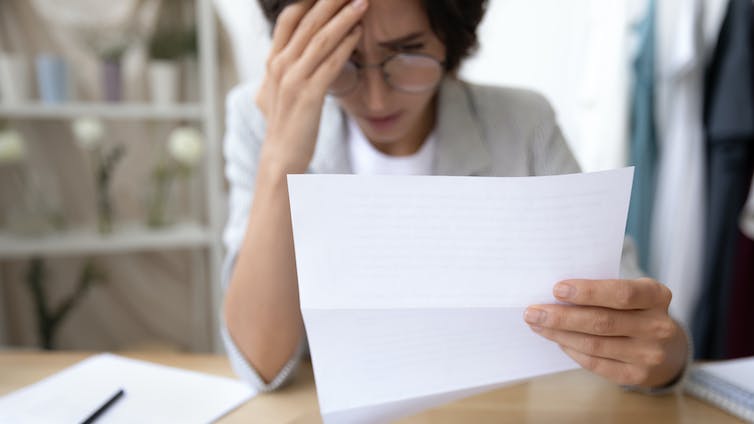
36, 110
203, 242
125, 238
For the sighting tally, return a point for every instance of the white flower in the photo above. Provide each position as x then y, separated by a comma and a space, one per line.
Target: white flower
88, 132
12, 147
185, 145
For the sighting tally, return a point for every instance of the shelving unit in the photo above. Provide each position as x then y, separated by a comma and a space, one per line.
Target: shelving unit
201, 239
72, 110
87, 241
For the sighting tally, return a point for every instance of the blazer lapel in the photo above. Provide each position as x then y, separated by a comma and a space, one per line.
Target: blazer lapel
461, 147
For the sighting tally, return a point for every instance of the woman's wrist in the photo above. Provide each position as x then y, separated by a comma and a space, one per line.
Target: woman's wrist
276, 164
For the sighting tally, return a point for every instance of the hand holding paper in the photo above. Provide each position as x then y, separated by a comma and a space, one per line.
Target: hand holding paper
619, 329
413, 288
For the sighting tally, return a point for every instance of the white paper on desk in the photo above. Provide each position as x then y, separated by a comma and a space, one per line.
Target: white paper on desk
153, 394
413, 288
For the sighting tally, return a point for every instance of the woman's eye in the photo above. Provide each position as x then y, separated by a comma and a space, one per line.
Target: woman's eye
412, 47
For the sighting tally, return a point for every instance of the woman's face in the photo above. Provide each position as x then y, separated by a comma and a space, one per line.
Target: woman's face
390, 117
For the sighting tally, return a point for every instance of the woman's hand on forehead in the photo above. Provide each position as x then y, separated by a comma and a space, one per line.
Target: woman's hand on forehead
311, 43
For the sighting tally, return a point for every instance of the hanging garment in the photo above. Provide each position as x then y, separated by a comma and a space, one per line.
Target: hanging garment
643, 145
729, 120
740, 341
677, 236
740, 315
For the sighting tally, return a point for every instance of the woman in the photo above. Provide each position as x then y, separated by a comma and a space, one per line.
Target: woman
368, 86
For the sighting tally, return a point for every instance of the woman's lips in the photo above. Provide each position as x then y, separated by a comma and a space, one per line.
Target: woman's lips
383, 123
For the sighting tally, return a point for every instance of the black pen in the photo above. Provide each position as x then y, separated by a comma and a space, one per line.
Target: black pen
110, 402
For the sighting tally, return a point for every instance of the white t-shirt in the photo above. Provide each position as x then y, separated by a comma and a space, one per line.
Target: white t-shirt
367, 160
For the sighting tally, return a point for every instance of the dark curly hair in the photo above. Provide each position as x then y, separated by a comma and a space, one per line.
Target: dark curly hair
454, 21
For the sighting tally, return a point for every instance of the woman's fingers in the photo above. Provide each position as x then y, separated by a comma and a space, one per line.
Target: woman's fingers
317, 18
617, 371
623, 349
294, 87
327, 40
333, 65
286, 24
619, 329
601, 321
643, 293
323, 31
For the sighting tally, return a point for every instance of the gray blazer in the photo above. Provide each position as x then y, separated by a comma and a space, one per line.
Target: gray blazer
481, 131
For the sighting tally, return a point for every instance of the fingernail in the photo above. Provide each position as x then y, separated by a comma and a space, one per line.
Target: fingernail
564, 291
535, 316
536, 328
359, 4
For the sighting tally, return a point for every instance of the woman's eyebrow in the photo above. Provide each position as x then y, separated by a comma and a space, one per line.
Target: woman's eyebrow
397, 42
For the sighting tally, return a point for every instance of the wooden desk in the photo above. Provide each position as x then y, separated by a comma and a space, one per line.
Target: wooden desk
570, 397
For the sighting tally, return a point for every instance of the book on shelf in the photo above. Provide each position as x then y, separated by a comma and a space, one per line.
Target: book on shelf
728, 385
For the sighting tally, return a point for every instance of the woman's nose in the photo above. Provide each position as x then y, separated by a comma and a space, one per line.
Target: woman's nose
376, 91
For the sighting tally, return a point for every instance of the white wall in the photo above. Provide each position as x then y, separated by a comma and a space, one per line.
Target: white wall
249, 35
575, 52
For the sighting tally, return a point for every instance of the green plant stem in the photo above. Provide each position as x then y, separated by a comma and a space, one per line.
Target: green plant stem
158, 203
35, 278
49, 321
105, 169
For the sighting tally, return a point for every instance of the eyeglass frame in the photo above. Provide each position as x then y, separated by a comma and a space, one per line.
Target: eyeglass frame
385, 76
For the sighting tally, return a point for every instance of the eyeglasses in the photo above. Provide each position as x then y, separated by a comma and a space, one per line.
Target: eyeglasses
410, 73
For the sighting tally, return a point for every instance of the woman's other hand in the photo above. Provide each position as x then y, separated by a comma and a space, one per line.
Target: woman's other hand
619, 329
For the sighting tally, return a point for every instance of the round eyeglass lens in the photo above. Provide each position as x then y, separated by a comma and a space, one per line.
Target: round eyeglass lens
413, 73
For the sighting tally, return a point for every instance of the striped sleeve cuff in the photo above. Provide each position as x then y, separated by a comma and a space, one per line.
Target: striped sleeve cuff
246, 371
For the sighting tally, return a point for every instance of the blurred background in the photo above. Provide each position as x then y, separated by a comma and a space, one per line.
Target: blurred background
112, 196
